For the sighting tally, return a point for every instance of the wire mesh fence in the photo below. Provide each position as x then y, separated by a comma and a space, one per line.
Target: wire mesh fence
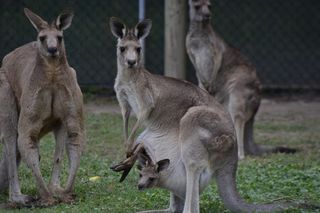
281, 37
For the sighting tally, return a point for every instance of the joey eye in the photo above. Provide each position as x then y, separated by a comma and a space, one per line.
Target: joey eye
59, 38
140, 176
122, 49
138, 50
42, 38
197, 7
151, 179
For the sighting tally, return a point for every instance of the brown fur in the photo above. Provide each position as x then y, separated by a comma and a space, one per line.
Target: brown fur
41, 94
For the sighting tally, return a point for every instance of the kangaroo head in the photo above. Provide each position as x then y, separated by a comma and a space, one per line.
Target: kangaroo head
200, 10
149, 171
129, 46
50, 37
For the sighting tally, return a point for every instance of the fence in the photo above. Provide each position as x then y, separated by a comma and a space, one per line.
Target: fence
281, 37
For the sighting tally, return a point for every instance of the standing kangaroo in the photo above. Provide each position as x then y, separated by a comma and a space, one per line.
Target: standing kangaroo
39, 93
184, 126
227, 75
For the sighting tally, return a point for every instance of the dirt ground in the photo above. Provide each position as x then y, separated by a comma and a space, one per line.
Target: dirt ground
270, 109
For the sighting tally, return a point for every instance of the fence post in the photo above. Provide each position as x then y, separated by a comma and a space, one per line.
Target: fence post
142, 11
175, 35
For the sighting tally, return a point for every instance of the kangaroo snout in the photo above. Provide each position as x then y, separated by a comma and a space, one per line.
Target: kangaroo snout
131, 63
52, 50
207, 16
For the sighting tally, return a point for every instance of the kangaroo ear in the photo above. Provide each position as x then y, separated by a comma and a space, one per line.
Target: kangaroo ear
143, 28
64, 20
162, 165
35, 20
118, 28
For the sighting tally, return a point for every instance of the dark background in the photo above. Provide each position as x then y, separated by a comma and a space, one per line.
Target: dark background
281, 37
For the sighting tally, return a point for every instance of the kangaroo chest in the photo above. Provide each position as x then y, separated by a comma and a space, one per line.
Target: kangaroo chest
126, 93
206, 56
48, 103
132, 101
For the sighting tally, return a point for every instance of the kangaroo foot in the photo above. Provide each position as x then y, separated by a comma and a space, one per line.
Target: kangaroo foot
46, 201
61, 194
127, 164
21, 199
68, 198
55, 190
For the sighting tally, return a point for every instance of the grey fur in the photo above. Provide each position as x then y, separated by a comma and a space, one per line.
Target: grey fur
227, 75
183, 124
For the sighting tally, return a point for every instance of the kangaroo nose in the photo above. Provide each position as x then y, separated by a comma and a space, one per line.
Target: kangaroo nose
207, 16
52, 50
131, 62
140, 187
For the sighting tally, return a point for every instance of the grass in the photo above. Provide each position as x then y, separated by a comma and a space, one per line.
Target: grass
259, 179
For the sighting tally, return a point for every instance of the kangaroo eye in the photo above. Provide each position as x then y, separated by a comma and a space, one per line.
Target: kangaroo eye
42, 38
59, 38
138, 49
197, 7
122, 49
151, 179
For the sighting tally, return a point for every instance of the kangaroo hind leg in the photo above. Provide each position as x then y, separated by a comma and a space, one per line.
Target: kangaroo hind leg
8, 134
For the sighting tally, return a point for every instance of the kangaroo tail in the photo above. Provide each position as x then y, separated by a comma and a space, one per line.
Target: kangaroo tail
232, 200
253, 148
4, 181
278, 149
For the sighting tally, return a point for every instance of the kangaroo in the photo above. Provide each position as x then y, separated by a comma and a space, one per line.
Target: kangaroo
190, 134
158, 102
39, 93
227, 75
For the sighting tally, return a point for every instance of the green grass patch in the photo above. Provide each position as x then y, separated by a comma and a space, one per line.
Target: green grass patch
259, 180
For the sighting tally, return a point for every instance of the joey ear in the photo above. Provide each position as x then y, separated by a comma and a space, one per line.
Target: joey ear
143, 28
117, 27
162, 165
64, 20
35, 20
144, 157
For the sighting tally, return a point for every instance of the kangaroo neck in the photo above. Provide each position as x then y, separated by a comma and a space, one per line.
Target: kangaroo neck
128, 74
52, 66
204, 31
200, 28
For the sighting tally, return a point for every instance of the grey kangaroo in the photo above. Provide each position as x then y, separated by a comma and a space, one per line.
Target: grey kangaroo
227, 75
39, 93
189, 134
